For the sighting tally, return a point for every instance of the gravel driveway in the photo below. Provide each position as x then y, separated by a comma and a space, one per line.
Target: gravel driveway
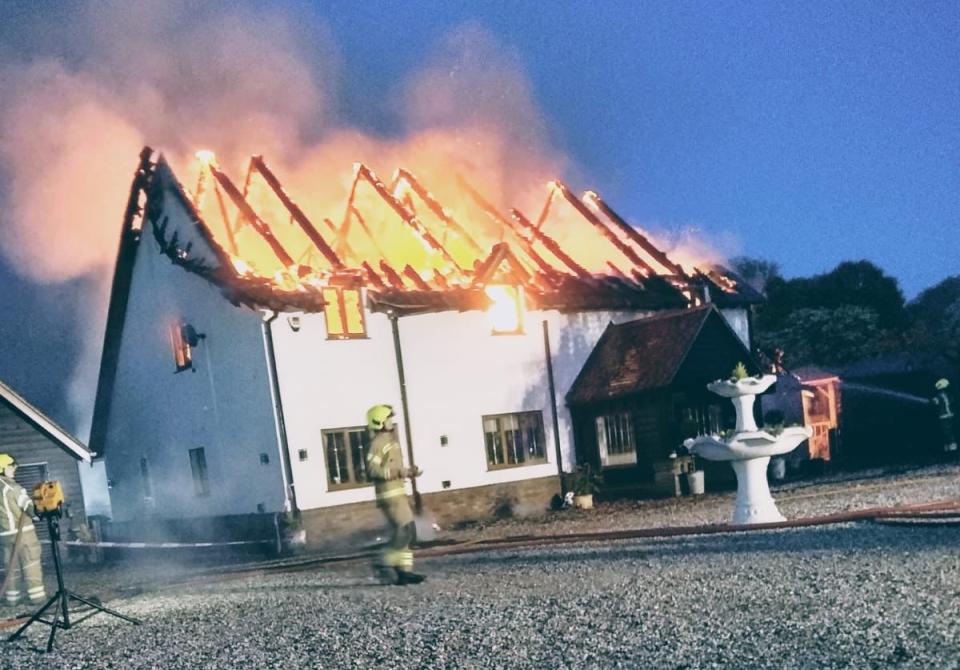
856, 595
844, 596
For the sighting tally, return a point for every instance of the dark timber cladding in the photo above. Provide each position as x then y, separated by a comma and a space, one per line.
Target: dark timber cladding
649, 377
43, 449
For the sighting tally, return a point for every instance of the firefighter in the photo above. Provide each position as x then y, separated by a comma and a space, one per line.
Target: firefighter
942, 401
16, 518
385, 468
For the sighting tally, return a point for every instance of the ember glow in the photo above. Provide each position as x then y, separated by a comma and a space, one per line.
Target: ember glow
506, 310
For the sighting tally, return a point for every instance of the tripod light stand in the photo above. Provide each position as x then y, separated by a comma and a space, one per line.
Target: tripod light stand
60, 599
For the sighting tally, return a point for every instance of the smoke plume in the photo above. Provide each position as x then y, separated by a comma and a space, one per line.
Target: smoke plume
86, 88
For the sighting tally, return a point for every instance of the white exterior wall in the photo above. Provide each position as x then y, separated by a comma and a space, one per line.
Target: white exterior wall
224, 407
739, 321
456, 372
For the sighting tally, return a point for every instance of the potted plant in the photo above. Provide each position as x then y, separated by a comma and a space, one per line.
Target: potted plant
584, 483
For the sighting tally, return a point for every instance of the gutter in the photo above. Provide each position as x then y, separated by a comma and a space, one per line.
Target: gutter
398, 352
553, 405
289, 492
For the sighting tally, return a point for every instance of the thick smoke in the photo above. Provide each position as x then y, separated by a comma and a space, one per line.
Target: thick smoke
100, 81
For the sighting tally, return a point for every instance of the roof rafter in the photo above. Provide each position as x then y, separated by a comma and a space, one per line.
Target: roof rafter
258, 224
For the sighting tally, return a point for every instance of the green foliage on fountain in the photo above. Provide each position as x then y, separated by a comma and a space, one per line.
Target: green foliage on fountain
739, 372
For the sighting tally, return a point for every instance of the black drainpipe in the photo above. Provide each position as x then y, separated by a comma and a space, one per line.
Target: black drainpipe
553, 406
395, 327
288, 487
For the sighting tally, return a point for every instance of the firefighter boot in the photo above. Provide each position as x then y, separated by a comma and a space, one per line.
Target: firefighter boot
405, 577
386, 574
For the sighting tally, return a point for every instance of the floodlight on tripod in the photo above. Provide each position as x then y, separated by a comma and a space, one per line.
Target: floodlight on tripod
48, 502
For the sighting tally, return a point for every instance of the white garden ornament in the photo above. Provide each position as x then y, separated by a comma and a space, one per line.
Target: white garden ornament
749, 449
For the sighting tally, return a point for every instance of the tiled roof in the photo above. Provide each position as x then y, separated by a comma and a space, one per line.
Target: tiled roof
638, 355
44, 424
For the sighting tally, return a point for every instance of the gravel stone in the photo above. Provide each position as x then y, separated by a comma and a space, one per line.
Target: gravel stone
853, 595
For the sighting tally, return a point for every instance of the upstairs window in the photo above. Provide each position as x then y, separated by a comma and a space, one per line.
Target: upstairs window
514, 439
346, 453
505, 312
183, 338
182, 352
344, 313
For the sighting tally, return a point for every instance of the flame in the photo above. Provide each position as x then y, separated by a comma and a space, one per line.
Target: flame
206, 157
506, 311
441, 231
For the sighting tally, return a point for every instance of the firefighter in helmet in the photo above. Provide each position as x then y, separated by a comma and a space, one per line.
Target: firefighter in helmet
16, 530
385, 468
945, 410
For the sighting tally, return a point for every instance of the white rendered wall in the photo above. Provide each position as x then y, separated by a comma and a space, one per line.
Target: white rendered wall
224, 407
456, 372
739, 320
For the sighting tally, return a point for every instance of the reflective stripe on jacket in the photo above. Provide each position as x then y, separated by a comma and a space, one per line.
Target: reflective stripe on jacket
943, 402
385, 465
14, 501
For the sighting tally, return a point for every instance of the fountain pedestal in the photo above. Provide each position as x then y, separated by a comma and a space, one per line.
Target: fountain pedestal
754, 502
749, 450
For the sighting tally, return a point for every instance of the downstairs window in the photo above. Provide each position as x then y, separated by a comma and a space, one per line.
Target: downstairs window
514, 439
346, 455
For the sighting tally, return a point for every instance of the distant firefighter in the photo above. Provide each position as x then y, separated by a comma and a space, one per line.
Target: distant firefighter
21, 548
385, 467
945, 409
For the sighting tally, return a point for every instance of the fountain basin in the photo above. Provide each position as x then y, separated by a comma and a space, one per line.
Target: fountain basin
749, 454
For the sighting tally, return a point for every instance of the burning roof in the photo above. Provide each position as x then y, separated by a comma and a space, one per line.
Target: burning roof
412, 252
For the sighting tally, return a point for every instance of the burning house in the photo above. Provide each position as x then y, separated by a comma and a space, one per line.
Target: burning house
246, 339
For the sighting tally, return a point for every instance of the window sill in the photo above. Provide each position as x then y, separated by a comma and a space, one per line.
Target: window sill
511, 466
348, 487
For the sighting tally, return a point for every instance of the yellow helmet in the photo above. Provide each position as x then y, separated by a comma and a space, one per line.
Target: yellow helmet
377, 415
942, 384
7, 460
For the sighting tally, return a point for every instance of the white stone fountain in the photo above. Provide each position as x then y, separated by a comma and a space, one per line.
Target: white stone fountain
748, 449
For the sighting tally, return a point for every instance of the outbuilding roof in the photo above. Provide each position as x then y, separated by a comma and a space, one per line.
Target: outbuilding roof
648, 353
44, 424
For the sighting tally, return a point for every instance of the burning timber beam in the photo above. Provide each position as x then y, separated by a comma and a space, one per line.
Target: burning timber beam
258, 224
260, 166
435, 207
363, 172
635, 235
606, 232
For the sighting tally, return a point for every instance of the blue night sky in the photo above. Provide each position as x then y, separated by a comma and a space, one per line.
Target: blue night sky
805, 133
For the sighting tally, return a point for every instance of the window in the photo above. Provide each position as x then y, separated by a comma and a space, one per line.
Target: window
146, 482
617, 439
819, 404
183, 337
506, 309
182, 353
701, 420
514, 439
198, 466
302, 454
346, 452
343, 312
